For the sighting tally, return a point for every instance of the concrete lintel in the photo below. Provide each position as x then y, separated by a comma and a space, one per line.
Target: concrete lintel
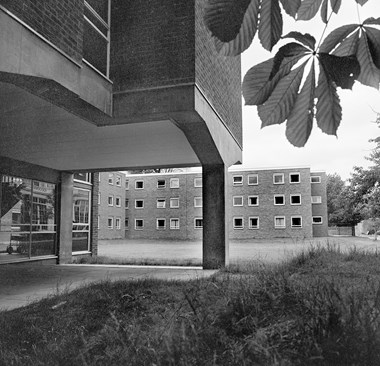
25, 53
25, 170
215, 216
65, 242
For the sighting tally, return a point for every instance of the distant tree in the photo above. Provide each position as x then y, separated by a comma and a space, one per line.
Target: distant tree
370, 208
300, 83
157, 170
334, 187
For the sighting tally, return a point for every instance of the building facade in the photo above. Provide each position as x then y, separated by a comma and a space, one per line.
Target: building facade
110, 85
267, 203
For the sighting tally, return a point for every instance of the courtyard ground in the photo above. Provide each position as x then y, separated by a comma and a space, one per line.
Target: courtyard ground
270, 251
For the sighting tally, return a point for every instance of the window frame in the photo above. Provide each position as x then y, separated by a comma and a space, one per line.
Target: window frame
172, 185
258, 223
257, 200
295, 174
139, 200
117, 198
278, 196
317, 223
118, 220
278, 175
139, 227
292, 224
160, 200
277, 226
142, 184
198, 179
174, 227
234, 183
295, 204
195, 221
110, 179
257, 179
161, 186
108, 200
315, 176
318, 202
118, 180
234, 203
234, 222
158, 219
126, 223
110, 227
197, 204
171, 200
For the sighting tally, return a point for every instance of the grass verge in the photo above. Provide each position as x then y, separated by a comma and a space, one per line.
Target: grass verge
320, 308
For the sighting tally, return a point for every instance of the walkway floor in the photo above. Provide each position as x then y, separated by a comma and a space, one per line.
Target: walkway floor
22, 284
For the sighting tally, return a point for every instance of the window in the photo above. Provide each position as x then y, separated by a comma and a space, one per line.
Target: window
296, 221
161, 203
317, 220
118, 181
161, 224
174, 183
295, 199
198, 182
294, 178
237, 180
316, 199
126, 203
118, 201
110, 178
84, 177
315, 179
126, 224
278, 178
127, 184
110, 223
117, 223
198, 223
174, 224
139, 184
238, 200
253, 200
253, 222
139, 224
238, 223
279, 222
96, 35
110, 200
174, 202
279, 199
98, 198
161, 183
198, 202
139, 203
253, 179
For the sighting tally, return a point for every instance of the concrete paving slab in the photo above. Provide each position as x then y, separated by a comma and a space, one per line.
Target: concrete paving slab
26, 283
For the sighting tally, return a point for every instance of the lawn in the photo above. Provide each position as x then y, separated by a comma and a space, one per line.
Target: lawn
321, 307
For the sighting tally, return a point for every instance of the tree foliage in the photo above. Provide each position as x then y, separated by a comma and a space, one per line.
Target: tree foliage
299, 84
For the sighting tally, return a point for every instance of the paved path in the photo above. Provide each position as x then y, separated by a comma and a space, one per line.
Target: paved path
22, 284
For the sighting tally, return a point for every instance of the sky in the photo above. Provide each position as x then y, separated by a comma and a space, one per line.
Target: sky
268, 147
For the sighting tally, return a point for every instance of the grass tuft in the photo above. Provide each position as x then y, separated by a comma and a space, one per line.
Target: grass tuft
321, 307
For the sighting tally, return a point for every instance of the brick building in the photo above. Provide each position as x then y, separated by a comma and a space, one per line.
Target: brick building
266, 203
110, 85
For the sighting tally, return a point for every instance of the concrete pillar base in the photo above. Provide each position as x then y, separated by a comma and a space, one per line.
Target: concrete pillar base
215, 217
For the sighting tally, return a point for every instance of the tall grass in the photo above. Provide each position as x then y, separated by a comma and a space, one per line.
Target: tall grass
320, 308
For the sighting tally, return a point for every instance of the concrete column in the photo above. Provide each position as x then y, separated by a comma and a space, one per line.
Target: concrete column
65, 242
215, 216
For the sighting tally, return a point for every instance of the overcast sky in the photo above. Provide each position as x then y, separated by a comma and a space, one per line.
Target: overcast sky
268, 147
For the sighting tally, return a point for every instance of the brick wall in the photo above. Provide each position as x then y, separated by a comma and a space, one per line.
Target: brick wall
61, 22
152, 45
266, 209
218, 77
107, 211
320, 209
